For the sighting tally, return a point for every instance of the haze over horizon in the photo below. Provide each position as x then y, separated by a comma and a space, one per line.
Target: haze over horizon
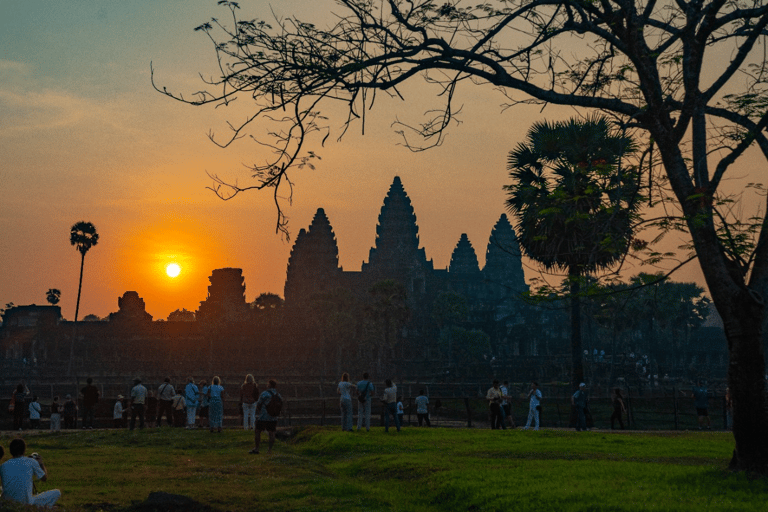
85, 137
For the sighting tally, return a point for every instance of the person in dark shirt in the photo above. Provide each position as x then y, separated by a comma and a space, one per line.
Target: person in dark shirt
90, 399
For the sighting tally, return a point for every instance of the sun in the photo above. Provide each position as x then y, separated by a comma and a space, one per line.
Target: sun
172, 269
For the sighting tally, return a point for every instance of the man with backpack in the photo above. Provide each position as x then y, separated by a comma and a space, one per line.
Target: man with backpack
268, 408
365, 391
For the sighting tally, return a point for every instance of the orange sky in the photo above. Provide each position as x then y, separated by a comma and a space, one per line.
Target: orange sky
83, 136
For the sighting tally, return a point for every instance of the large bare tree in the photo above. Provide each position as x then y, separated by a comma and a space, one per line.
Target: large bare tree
689, 75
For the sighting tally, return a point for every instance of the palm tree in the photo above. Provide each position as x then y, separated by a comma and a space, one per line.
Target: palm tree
52, 296
575, 203
83, 236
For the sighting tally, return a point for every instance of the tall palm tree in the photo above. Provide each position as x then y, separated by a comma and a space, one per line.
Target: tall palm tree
53, 296
575, 203
83, 236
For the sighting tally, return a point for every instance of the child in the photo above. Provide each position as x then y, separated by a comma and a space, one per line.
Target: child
117, 413
400, 410
34, 412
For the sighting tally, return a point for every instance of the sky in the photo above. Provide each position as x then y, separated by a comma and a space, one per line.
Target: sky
84, 136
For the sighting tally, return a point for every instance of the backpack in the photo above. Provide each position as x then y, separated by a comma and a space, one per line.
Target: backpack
364, 395
275, 405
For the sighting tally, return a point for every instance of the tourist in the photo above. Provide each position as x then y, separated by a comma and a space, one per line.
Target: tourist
579, 401
344, 389
618, 408
701, 403
400, 410
422, 408
249, 393
117, 412
70, 413
192, 397
138, 401
216, 404
494, 397
534, 406
179, 409
150, 409
204, 403
506, 404
365, 390
35, 409
17, 475
390, 403
165, 394
55, 415
268, 406
19, 406
90, 399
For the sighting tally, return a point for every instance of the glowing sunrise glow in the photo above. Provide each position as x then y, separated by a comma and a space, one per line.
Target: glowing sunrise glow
172, 270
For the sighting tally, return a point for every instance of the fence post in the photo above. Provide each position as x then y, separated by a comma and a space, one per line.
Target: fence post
469, 413
674, 401
322, 417
630, 422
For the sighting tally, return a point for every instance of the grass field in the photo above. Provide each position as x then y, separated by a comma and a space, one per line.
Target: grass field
414, 470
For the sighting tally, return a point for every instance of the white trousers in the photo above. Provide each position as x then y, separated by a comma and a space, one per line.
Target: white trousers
533, 415
191, 413
249, 416
46, 499
364, 413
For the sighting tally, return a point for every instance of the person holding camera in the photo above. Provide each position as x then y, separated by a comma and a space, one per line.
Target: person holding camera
18, 473
535, 406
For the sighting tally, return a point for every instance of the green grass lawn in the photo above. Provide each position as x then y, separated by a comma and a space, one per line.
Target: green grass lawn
416, 469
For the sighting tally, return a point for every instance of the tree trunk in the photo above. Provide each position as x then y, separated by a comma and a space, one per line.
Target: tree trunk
577, 358
77, 310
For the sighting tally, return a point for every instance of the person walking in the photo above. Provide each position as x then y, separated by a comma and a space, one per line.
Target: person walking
268, 406
165, 394
249, 393
192, 398
344, 389
390, 403
216, 404
138, 400
618, 409
365, 390
422, 408
494, 406
579, 401
534, 406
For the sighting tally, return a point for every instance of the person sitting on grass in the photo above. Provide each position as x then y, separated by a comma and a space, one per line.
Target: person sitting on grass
18, 473
267, 415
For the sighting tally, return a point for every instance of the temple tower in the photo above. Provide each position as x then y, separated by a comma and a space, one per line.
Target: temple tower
464, 258
226, 297
503, 262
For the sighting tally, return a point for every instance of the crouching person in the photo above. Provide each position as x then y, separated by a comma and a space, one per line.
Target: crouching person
18, 473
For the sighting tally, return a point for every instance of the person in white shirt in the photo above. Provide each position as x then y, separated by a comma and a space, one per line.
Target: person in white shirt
17, 474
422, 408
34, 413
390, 400
344, 390
117, 412
534, 407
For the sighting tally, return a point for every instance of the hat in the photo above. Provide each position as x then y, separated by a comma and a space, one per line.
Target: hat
119, 397
582, 385
137, 380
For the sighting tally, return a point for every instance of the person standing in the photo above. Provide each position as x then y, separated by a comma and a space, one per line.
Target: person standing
701, 403
179, 409
249, 393
70, 413
138, 400
204, 403
18, 473
534, 406
579, 401
216, 404
192, 397
165, 394
390, 402
268, 407
344, 389
55, 415
117, 412
90, 399
422, 408
35, 409
365, 390
19, 405
494, 405
618, 409
400, 411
